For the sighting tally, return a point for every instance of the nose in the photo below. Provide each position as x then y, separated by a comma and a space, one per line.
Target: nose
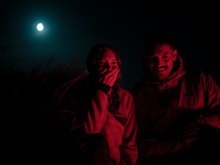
158, 61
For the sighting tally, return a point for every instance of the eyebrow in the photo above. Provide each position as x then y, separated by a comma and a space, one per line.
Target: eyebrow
103, 59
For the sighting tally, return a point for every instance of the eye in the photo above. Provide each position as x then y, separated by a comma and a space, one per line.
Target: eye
165, 56
100, 62
114, 62
151, 59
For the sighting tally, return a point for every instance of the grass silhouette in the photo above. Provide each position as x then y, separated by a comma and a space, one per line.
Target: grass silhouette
30, 95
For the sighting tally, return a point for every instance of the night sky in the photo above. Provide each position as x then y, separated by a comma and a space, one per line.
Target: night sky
73, 27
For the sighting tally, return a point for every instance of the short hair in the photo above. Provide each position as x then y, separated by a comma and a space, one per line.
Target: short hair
95, 52
155, 39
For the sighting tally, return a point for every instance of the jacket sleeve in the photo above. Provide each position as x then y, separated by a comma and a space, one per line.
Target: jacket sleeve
158, 146
128, 148
212, 100
150, 144
96, 112
85, 112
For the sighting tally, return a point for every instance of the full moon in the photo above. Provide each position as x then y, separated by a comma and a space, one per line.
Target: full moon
40, 27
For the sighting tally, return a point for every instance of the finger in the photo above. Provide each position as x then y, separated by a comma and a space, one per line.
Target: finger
109, 74
191, 128
101, 72
189, 141
112, 75
100, 79
113, 72
110, 80
192, 132
109, 77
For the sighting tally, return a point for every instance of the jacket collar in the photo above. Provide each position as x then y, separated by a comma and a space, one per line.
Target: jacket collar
171, 81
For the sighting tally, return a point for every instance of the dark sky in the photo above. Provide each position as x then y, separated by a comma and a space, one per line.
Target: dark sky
73, 27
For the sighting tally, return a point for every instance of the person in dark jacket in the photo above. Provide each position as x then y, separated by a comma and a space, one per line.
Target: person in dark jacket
178, 110
101, 114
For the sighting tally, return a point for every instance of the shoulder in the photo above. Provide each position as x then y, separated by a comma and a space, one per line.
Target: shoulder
126, 102
193, 73
197, 76
194, 76
125, 94
126, 98
200, 79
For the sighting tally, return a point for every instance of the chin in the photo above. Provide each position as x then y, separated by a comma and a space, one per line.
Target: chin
161, 77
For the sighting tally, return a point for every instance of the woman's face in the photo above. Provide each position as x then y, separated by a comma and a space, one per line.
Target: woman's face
106, 61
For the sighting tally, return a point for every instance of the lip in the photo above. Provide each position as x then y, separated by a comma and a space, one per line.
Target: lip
160, 69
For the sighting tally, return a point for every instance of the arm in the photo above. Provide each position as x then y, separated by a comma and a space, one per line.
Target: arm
96, 112
84, 109
158, 146
129, 148
212, 100
159, 142
98, 107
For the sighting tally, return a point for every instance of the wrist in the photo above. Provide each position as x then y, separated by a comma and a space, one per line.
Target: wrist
103, 87
202, 119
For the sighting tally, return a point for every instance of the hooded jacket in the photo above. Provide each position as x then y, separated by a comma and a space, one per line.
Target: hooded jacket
104, 136
165, 108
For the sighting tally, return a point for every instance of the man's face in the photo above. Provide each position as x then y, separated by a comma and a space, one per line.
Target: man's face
160, 63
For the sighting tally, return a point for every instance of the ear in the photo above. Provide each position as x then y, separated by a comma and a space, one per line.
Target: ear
175, 53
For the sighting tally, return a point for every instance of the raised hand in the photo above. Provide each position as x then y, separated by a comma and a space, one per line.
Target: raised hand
108, 77
191, 133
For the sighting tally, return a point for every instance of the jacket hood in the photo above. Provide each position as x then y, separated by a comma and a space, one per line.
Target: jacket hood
178, 71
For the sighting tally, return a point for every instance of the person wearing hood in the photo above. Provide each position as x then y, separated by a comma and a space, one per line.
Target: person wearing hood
177, 109
101, 114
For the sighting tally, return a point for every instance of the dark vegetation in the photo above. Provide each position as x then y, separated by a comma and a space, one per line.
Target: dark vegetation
32, 127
